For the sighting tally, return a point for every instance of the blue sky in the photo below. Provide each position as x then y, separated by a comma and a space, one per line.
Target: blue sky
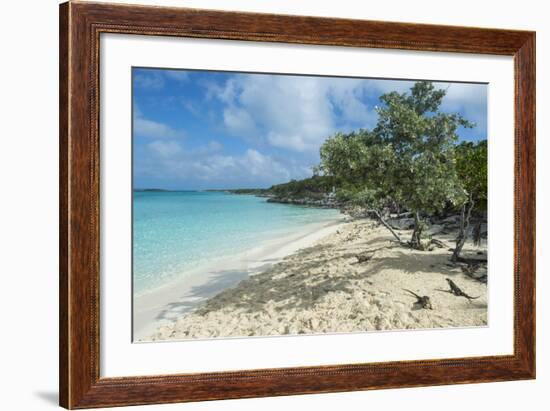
205, 129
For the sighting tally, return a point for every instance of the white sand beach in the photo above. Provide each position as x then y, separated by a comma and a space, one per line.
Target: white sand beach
315, 284
168, 303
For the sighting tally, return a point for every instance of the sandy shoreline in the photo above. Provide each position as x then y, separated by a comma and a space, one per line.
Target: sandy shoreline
320, 287
180, 297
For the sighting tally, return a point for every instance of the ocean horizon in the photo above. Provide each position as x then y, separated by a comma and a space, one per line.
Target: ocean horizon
179, 231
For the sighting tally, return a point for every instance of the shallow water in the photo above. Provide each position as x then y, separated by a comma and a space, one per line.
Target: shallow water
174, 232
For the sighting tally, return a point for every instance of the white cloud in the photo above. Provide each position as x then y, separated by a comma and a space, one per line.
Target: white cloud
149, 80
469, 99
284, 119
464, 92
261, 165
156, 79
209, 148
292, 112
348, 95
207, 164
250, 167
225, 93
377, 87
165, 149
179, 75
192, 107
239, 121
153, 129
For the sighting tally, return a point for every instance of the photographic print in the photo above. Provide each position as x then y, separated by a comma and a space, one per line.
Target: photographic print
280, 204
238, 179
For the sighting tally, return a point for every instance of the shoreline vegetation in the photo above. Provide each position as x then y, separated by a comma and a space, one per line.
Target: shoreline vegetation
411, 254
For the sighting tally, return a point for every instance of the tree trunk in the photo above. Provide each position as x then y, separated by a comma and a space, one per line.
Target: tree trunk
463, 232
385, 224
417, 232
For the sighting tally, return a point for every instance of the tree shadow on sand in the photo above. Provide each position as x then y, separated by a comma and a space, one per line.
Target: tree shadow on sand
300, 285
288, 285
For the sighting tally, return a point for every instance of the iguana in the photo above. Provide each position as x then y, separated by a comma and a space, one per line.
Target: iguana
364, 257
423, 301
455, 290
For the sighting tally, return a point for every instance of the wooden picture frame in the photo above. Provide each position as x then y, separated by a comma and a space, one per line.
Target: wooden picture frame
80, 27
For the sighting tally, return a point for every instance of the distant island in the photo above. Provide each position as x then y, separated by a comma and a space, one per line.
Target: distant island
315, 191
162, 190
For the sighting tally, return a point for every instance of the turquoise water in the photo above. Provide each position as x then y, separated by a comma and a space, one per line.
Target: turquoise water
174, 232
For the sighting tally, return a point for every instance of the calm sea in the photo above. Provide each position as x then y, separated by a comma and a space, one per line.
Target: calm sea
175, 232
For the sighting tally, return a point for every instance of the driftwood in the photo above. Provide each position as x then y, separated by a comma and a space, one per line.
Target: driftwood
470, 269
428, 245
470, 261
438, 243
385, 224
404, 215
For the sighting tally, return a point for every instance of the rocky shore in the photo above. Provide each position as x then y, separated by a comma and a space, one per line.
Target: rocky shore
324, 202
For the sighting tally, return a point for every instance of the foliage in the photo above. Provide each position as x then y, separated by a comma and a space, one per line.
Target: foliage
407, 159
249, 191
471, 167
314, 187
360, 161
423, 139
